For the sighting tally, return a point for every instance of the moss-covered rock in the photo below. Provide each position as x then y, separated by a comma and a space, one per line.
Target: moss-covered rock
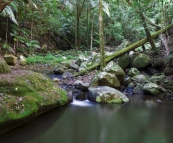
81, 59
158, 78
106, 94
153, 89
168, 71
133, 71
22, 60
123, 61
138, 89
140, 78
4, 68
115, 69
10, 59
106, 79
140, 61
24, 95
127, 80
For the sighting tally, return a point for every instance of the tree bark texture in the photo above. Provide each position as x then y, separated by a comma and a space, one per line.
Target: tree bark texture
101, 36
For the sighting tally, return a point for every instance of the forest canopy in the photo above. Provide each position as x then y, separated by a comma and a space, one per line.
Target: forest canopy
29, 24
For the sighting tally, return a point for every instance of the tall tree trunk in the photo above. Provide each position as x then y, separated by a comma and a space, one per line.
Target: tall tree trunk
6, 34
92, 31
87, 26
101, 36
78, 28
31, 26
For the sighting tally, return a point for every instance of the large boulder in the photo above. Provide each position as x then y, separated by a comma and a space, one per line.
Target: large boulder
25, 95
115, 69
153, 89
4, 68
10, 59
106, 79
140, 61
123, 61
106, 94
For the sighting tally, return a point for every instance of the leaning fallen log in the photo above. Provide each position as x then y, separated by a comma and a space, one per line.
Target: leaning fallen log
125, 50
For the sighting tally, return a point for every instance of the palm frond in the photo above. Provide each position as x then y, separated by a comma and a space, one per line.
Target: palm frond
8, 12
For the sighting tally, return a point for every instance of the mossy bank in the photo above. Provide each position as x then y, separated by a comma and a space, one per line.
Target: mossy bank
25, 95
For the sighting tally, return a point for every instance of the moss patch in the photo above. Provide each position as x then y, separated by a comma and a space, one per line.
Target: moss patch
25, 94
109, 99
4, 68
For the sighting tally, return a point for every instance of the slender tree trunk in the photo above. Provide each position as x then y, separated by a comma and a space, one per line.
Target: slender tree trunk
76, 26
31, 26
17, 44
101, 36
78, 33
6, 36
87, 26
92, 30
147, 31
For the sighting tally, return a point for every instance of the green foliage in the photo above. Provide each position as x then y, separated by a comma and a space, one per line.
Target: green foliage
32, 44
54, 59
116, 36
45, 17
8, 12
6, 47
48, 59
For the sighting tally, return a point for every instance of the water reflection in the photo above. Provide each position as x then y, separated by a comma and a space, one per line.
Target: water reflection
99, 123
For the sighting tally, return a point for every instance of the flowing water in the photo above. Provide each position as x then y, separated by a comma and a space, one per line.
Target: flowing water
87, 122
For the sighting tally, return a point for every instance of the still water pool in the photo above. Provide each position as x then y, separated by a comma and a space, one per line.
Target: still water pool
87, 122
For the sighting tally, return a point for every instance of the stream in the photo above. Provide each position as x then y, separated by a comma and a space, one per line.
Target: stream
87, 122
